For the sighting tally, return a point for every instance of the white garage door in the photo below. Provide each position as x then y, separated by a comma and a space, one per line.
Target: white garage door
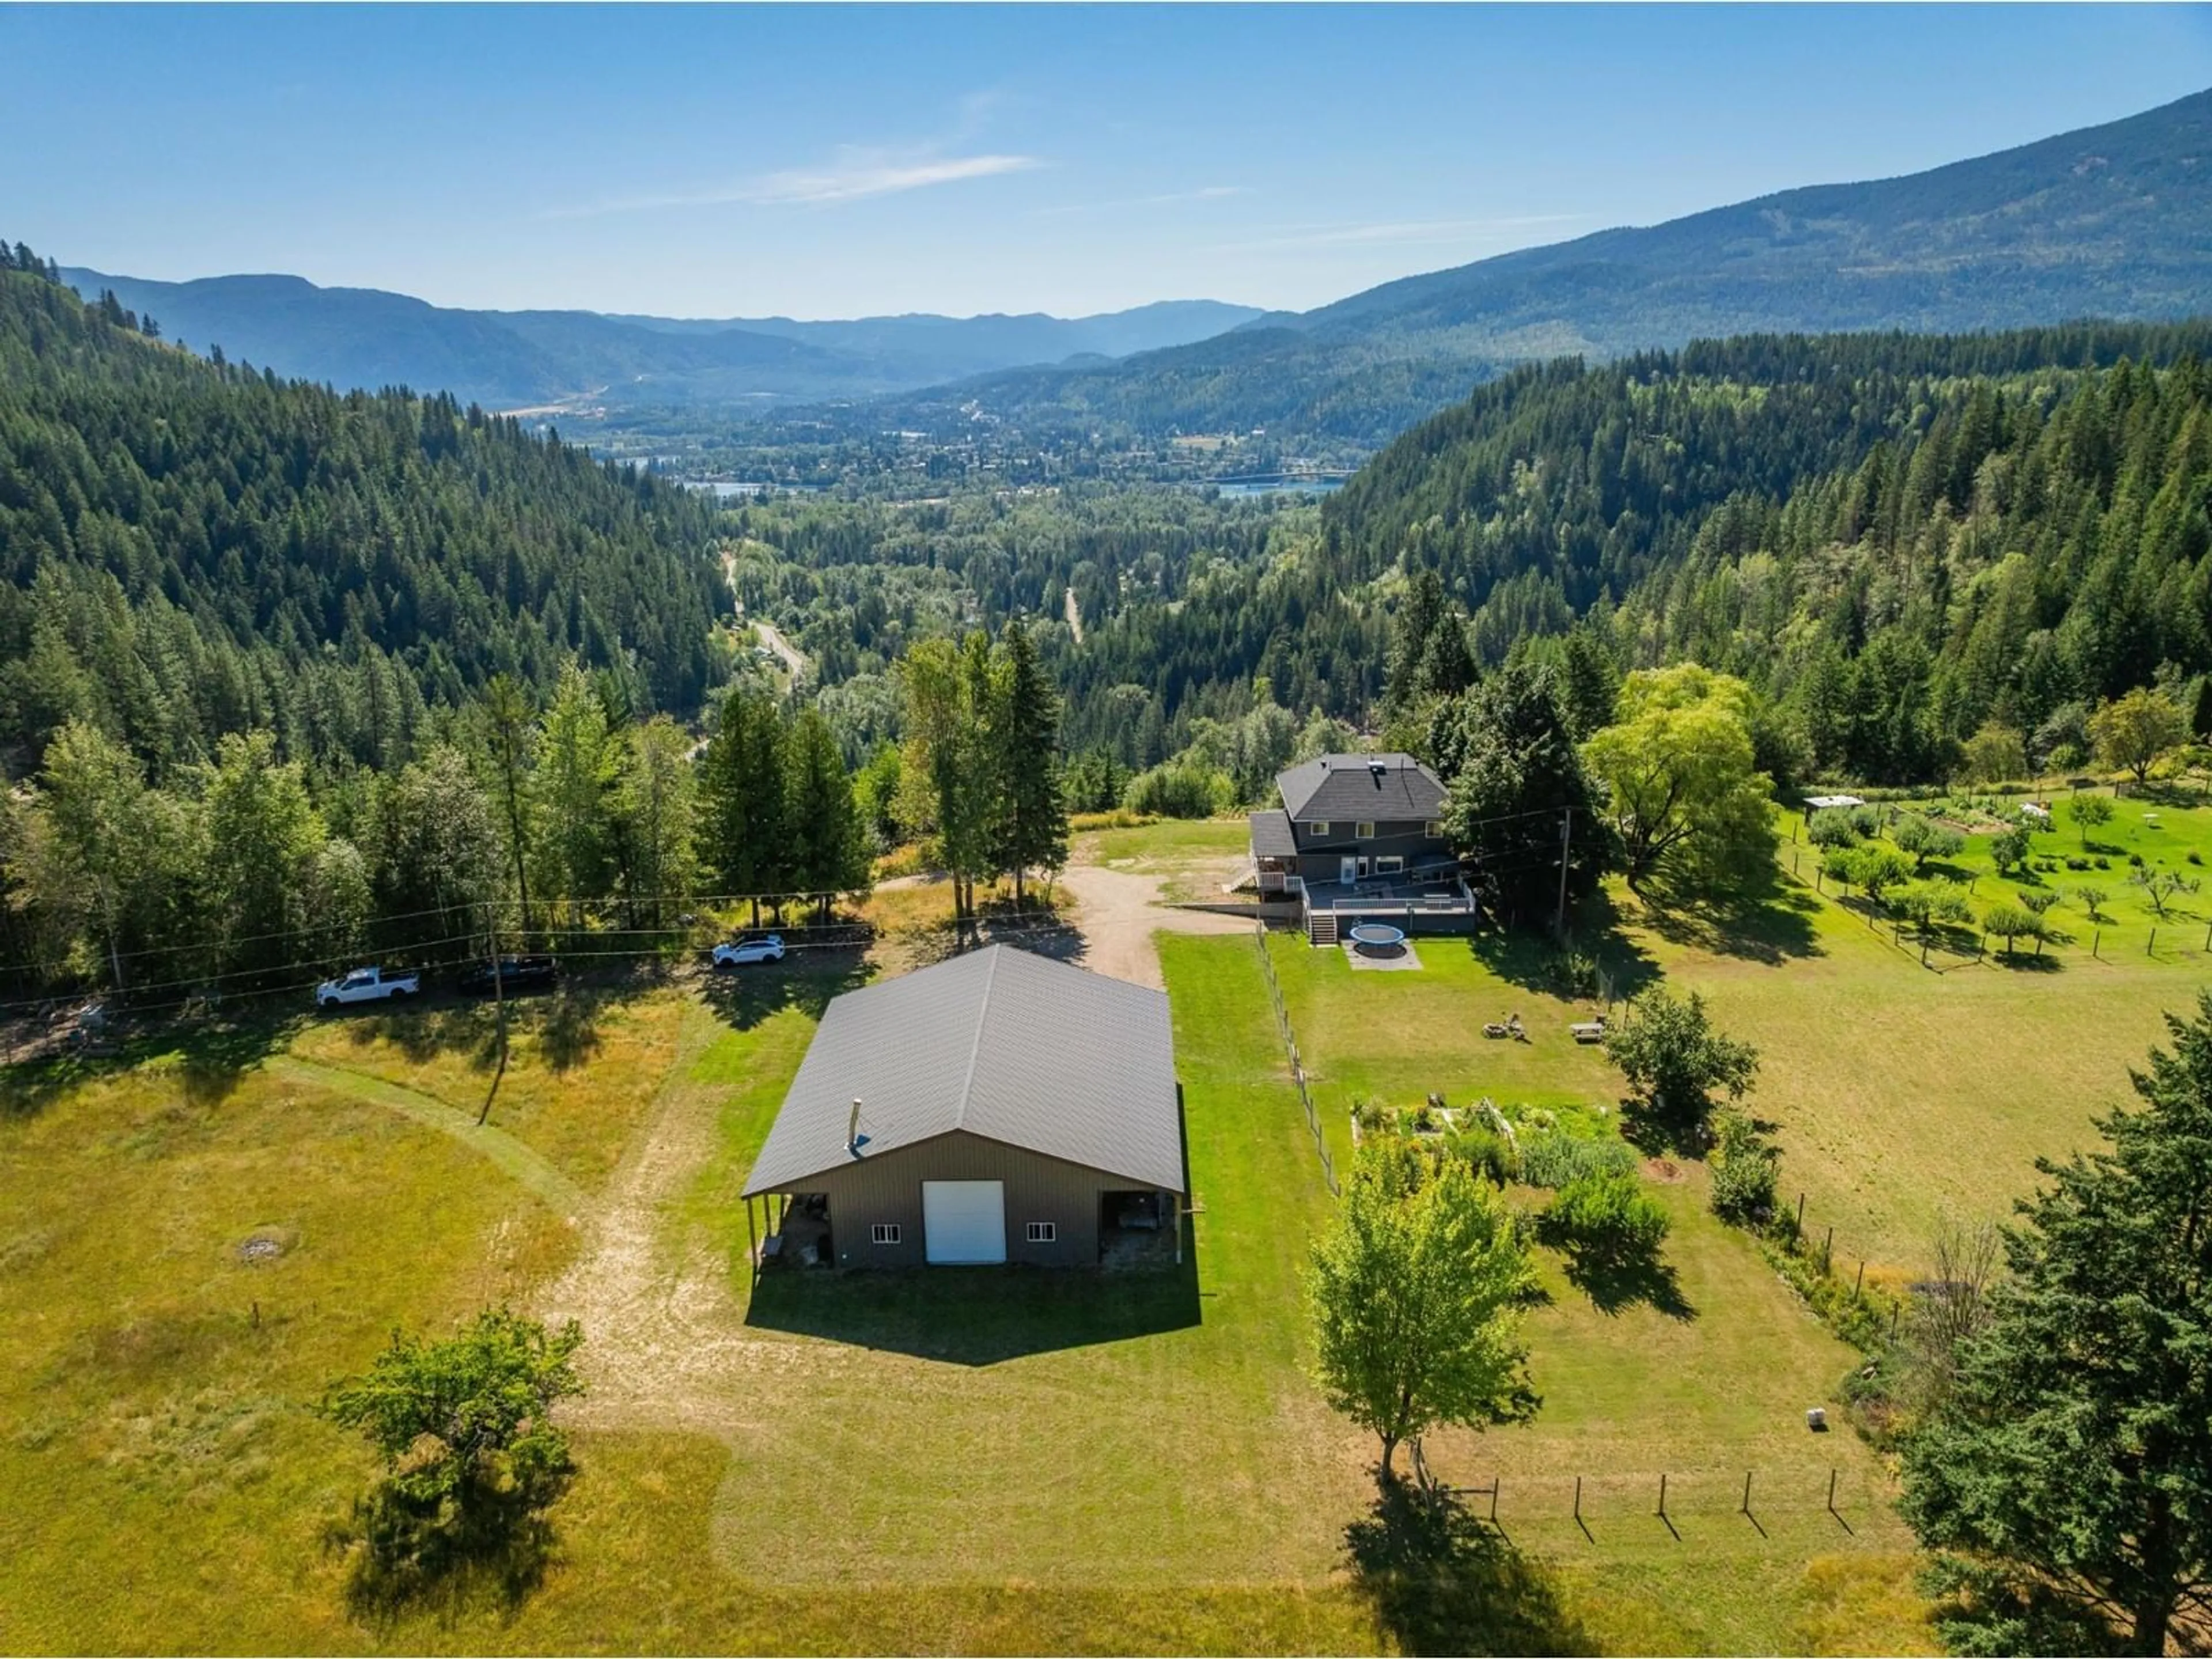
963, 1222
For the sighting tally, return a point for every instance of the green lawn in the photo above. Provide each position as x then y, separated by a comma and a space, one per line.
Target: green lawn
1906, 1092
1705, 1375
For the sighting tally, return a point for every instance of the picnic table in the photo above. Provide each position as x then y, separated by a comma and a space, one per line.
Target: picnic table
1588, 1030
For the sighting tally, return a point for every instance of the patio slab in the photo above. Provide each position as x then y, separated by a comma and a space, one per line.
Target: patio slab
1403, 958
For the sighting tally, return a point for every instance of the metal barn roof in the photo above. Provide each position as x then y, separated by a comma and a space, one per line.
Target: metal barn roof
1362, 788
1000, 1043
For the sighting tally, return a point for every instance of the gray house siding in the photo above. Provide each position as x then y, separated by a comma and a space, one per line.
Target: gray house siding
887, 1188
1320, 857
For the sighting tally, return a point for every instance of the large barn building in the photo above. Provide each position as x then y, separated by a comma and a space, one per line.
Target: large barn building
999, 1107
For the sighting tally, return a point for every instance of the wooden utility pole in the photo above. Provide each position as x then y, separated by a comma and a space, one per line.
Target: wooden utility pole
499, 1004
1566, 832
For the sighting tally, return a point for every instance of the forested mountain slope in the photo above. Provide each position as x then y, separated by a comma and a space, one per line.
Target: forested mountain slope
2112, 221
191, 550
368, 338
1898, 537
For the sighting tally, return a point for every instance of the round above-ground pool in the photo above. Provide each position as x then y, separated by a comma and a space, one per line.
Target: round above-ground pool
1376, 938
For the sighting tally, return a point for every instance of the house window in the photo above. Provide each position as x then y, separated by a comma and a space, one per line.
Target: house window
884, 1232
1433, 829
1364, 831
1044, 1233
1318, 826
1388, 867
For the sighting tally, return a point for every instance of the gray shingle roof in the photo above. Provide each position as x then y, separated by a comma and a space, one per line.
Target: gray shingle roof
999, 1043
1362, 787
1271, 837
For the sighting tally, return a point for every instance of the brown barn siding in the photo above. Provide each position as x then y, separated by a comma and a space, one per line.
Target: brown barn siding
887, 1188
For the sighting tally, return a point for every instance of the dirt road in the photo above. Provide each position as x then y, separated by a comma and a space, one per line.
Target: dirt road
1117, 912
794, 659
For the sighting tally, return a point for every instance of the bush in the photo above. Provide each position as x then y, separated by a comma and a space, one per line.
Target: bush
1572, 974
1747, 1169
1832, 826
1488, 1154
1176, 791
1609, 1218
1557, 1160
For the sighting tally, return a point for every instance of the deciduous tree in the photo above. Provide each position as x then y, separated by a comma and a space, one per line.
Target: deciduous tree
1681, 793
1412, 1292
1675, 1060
471, 1458
2134, 731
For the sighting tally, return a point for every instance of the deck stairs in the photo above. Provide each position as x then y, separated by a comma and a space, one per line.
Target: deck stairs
1321, 927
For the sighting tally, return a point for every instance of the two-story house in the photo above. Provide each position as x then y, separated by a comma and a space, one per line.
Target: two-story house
1361, 836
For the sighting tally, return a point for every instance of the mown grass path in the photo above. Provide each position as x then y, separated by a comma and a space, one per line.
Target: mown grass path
495, 1144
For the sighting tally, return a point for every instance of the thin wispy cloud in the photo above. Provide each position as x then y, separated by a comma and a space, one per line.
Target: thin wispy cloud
859, 173
1208, 194
854, 172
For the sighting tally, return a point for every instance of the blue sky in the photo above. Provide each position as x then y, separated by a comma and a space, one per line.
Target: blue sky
839, 160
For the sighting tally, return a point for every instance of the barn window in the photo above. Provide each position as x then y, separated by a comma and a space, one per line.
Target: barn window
1363, 831
1044, 1233
884, 1232
1433, 829
1318, 828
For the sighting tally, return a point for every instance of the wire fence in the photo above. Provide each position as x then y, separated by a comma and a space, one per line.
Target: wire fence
1290, 1047
1669, 1499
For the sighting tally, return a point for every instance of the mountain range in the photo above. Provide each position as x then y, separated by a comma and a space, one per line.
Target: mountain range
2112, 221
369, 338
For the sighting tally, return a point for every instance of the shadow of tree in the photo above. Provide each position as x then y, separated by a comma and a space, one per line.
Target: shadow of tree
1768, 920
1613, 1283
1441, 1582
1534, 962
743, 997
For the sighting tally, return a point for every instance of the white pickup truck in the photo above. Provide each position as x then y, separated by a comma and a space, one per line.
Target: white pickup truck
365, 985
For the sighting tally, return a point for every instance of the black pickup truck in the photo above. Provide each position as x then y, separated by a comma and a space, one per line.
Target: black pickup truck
515, 973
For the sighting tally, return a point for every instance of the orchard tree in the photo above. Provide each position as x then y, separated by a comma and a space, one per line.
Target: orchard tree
2009, 849
1681, 791
1675, 1060
1413, 1294
2012, 921
2066, 1477
1832, 827
2134, 731
2089, 812
1925, 839
2160, 888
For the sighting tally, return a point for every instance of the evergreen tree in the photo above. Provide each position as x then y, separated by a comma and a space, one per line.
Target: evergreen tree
1033, 825
1515, 779
657, 812
572, 789
743, 820
829, 850
2067, 1477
